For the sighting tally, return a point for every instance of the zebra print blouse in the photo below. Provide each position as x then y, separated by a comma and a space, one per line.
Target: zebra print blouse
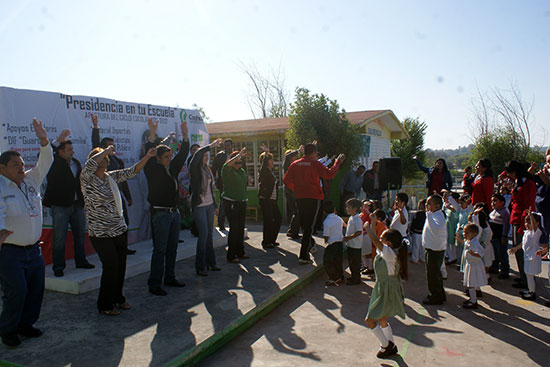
101, 212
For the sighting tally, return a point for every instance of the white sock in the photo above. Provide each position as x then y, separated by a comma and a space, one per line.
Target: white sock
531, 283
388, 332
472, 292
377, 331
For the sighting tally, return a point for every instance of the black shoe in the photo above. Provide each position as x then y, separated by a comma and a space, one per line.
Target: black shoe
531, 296
130, 252
85, 266
58, 273
158, 291
174, 283
276, 244
390, 350
222, 228
431, 301
29, 332
213, 267
503, 276
470, 305
202, 273
11, 340
479, 294
293, 236
547, 303
519, 285
268, 245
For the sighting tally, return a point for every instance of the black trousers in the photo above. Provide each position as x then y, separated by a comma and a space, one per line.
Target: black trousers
354, 261
292, 213
516, 240
272, 221
434, 260
307, 210
332, 259
235, 211
112, 253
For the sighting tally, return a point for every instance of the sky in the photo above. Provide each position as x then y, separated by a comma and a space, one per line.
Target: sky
421, 59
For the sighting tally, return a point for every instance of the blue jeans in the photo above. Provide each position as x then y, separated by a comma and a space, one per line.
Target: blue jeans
22, 281
166, 231
62, 216
203, 216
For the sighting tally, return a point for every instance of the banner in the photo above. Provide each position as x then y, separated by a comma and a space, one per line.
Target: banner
125, 122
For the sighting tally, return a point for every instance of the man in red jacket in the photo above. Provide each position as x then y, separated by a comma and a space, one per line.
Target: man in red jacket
303, 177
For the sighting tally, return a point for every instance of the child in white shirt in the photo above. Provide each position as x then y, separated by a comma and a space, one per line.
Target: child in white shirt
354, 240
332, 257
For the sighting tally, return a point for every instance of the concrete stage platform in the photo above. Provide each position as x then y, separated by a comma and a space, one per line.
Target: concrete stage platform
176, 329
78, 281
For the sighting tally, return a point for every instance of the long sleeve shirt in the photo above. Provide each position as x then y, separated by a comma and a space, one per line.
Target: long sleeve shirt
351, 183
162, 181
21, 208
434, 234
303, 176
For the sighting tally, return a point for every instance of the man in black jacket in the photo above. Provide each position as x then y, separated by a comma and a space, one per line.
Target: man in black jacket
64, 197
371, 185
217, 165
163, 197
114, 164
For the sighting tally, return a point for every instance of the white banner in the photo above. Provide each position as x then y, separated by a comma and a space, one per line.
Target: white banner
125, 122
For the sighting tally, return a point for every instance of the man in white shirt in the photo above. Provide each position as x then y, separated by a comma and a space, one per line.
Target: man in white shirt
332, 257
21, 261
434, 240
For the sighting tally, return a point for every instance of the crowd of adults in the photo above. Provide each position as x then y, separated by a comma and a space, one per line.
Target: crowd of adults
97, 192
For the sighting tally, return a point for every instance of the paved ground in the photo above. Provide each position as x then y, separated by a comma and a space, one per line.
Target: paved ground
158, 329
325, 326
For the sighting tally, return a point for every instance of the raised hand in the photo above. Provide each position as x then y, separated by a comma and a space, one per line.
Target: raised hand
415, 157
110, 150
315, 142
264, 148
184, 130
341, 157
242, 153
301, 149
151, 152
153, 126
40, 131
63, 136
94, 120
216, 143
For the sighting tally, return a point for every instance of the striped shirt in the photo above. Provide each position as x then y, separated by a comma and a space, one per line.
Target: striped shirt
99, 201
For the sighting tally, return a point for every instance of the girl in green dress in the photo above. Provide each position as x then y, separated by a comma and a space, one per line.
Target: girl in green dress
390, 266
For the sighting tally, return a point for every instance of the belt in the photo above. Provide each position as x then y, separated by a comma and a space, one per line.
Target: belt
17, 246
164, 209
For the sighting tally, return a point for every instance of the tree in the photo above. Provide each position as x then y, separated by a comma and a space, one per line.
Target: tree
502, 129
268, 96
409, 147
316, 117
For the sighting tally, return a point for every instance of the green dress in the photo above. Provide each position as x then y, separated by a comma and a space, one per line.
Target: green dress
387, 295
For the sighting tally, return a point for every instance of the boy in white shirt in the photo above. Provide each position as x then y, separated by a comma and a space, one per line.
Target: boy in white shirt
332, 257
434, 240
354, 240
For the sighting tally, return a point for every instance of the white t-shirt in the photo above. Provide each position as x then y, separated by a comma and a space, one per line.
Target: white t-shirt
396, 222
355, 224
434, 234
332, 228
389, 257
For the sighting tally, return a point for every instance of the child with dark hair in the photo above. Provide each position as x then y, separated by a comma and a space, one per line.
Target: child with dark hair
386, 299
474, 274
354, 240
400, 217
499, 220
332, 232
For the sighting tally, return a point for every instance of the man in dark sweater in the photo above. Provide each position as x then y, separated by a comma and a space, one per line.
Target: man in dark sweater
114, 164
217, 165
64, 197
163, 197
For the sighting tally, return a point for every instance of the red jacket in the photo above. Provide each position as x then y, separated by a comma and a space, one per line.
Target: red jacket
523, 198
482, 190
303, 176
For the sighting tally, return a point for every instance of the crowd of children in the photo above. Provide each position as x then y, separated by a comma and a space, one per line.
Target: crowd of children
446, 230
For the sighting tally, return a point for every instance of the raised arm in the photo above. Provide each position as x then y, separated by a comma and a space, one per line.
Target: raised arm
420, 166
371, 231
231, 162
329, 173
95, 131
45, 158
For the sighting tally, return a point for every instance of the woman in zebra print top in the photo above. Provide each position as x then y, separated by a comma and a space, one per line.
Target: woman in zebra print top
106, 226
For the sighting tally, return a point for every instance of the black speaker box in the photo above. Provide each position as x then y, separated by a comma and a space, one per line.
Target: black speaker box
390, 173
